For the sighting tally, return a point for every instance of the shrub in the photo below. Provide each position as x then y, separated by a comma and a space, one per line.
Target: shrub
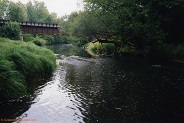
28, 37
10, 30
39, 41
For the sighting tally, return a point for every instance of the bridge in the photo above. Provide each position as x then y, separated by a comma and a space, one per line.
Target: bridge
37, 28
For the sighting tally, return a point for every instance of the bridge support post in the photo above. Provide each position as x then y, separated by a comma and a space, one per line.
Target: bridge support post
21, 37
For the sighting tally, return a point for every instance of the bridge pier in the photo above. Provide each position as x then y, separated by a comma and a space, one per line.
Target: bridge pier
21, 37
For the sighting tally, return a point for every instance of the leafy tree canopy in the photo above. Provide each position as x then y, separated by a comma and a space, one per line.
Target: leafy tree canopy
17, 12
3, 7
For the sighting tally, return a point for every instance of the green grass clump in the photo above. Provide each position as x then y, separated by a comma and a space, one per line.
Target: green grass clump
39, 41
28, 37
12, 83
96, 49
91, 49
36, 40
18, 62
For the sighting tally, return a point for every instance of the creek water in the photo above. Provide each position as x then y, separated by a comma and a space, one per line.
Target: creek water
104, 90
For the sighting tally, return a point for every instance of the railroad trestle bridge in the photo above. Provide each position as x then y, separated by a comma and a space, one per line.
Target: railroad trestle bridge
37, 28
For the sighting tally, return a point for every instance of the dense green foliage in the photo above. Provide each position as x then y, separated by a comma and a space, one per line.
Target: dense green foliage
39, 41
17, 12
138, 26
146, 21
10, 30
20, 61
42, 40
38, 12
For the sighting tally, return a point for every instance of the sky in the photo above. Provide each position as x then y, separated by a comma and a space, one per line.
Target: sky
61, 7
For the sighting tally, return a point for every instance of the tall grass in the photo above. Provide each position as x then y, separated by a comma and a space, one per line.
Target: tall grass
12, 84
18, 62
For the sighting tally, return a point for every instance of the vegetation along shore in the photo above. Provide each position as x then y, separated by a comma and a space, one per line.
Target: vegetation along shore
18, 62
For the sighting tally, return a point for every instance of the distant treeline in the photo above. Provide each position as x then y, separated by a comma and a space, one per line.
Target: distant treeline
32, 11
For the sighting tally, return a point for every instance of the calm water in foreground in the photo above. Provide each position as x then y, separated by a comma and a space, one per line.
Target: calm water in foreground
105, 90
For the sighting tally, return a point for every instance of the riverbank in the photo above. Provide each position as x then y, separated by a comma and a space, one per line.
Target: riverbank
162, 52
20, 61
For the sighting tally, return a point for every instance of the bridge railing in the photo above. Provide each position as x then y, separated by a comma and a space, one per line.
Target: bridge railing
3, 21
24, 23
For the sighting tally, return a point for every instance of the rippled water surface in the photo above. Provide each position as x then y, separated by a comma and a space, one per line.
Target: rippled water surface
106, 90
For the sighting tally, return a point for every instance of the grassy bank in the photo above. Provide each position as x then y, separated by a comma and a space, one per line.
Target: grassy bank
107, 49
97, 49
162, 51
18, 62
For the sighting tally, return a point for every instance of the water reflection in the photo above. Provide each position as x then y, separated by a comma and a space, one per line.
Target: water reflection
54, 102
14, 108
109, 95
122, 91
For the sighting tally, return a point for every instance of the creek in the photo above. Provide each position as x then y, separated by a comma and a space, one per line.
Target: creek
104, 90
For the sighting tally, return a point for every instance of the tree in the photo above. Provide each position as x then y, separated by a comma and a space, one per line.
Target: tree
3, 8
52, 18
17, 12
30, 12
170, 14
88, 24
130, 22
67, 21
37, 12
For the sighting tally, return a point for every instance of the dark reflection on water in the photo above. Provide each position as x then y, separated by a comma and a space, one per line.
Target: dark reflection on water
109, 90
129, 91
67, 50
12, 109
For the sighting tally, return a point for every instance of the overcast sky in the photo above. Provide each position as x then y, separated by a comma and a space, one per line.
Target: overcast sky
61, 7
